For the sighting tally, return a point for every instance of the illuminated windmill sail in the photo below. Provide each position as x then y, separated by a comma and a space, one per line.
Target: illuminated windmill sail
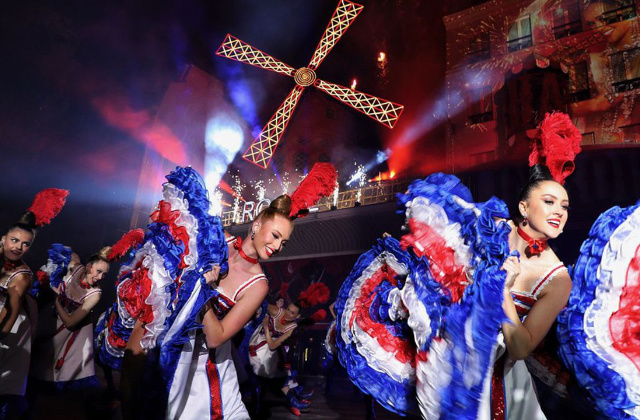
263, 147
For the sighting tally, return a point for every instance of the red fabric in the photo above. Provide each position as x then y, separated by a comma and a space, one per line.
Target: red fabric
498, 410
625, 322
47, 204
426, 242
238, 246
133, 294
403, 350
60, 361
315, 294
214, 387
115, 341
284, 287
165, 215
556, 144
536, 246
320, 181
318, 315
43, 278
128, 240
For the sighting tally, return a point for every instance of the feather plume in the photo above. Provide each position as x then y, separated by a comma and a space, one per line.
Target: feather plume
47, 204
128, 240
318, 315
315, 294
555, 144
284, 287
319, 182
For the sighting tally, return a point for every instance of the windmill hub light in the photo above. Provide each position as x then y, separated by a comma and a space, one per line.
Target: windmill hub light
305, 76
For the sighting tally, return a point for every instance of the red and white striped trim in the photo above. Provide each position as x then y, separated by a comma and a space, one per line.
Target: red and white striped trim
544, 280
244, 286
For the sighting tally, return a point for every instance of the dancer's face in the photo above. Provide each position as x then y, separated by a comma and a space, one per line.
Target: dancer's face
96, 271
547, 209
613, 32
280, 303
16, 243
271, 235
292, 313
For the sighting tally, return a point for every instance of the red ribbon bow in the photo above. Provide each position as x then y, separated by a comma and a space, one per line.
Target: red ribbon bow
536, 246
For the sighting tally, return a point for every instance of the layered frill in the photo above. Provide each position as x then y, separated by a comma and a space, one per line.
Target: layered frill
418, 319
52, 273
599, 331
163, 284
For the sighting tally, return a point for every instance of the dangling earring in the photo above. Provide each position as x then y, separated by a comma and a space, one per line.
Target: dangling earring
253, 234
525, 221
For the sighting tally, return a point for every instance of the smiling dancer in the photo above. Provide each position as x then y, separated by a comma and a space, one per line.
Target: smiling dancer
205, 384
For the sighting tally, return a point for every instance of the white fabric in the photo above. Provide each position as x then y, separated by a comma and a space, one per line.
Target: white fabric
15, 352
189, 396
377, 358
612, 278
266, 362
78, 362
521, 401
434, 216
432, 376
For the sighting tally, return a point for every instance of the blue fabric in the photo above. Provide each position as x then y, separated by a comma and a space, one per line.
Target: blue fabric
212, 250
61, 256
607, 388
481, 303
396, 397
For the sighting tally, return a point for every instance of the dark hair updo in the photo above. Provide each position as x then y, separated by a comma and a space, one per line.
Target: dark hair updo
538, 174
281, 205
27, 222
100, 256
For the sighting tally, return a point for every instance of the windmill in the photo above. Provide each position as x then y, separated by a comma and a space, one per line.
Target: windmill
263, 147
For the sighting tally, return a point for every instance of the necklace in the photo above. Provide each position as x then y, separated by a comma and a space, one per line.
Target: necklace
9, 265
84, 284
536, 246
238, 245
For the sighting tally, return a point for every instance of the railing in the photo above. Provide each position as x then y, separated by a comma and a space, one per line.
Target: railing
518, 44
627, 85
619, 14
567, 29
373, 194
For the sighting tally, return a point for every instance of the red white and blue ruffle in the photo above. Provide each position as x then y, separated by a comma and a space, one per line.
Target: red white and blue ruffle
163, 284
599, 331
418, 320
59, 257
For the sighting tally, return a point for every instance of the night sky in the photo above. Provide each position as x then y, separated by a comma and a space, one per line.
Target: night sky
80, 84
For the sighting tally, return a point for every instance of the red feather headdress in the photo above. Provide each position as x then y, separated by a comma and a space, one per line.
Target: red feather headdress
315, 294
556, 142
128, 240
319, 182
318, 315
283, 289
47, 204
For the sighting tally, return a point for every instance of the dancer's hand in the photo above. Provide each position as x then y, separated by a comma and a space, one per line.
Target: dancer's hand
512, 267
212, 276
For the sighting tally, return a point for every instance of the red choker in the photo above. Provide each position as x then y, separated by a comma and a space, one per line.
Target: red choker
83, 284
9, 265
536, 246
238, 245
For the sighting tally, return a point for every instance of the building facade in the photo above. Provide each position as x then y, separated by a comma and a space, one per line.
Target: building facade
510, 62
